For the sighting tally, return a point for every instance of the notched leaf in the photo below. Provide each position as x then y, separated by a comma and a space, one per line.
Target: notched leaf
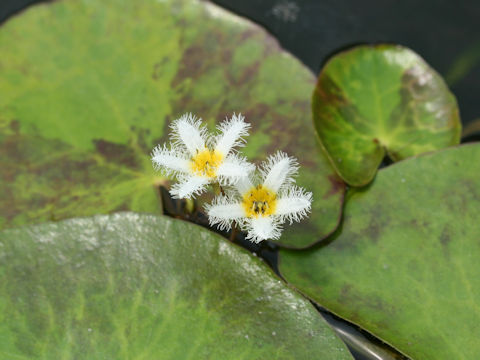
405, 258
376, 100
100, 103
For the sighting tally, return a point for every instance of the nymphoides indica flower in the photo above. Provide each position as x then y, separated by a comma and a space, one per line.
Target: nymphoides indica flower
261, 207
197, 158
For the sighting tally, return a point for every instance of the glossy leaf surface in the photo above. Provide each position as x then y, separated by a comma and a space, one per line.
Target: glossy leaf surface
130, 286
404, 264
372, 101
84, 99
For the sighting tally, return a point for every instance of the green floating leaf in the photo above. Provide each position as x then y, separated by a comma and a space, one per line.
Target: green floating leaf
376, 100
404, 265
130, 286
85, 99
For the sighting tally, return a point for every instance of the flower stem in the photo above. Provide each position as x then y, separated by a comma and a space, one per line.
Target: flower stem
217, 189
233, 233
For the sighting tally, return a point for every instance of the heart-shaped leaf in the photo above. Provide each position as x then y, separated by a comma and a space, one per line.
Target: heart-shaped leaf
130, 286
84, 99
404, 264
376, 100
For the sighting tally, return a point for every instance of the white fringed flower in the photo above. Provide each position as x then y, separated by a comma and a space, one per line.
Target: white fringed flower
262, 209
198, 159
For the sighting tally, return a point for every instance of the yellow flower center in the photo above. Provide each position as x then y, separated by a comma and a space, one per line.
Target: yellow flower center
206, 162
259, 201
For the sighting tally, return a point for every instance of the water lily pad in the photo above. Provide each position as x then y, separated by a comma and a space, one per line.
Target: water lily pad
88, 88
372, 101
130, 286
404, 264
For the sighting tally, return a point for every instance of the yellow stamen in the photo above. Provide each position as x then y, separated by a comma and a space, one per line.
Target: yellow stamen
206, 162
259, 201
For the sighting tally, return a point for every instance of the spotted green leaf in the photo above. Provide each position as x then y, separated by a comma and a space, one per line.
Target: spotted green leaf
130, 286
404, 264
372, 101
89, 87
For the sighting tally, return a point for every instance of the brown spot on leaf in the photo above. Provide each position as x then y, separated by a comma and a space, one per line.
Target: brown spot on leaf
374, 231
15, 126
345, 291
226, 55
192, 65
158, 68
445, 239
116, 153
336, 186
245, 35
257, 113
329, 92
246, 76
378, 222
142, 137
348, 296
420, 223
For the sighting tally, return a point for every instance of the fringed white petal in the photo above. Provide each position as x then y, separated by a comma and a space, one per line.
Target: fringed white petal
263, 228
223, 211
232, 169
243, 184
278, 171
189, 187
171, 161
188, 133
232, 134
294, 205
